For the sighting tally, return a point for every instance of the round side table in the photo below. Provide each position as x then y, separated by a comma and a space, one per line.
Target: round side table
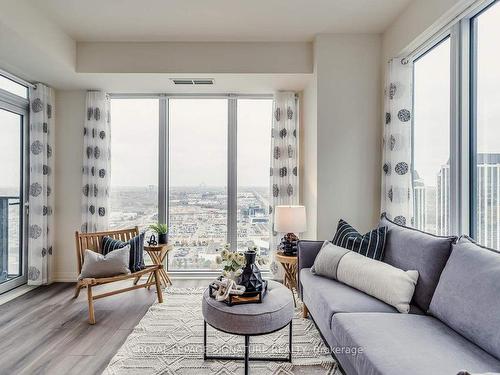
158, 253
289, 263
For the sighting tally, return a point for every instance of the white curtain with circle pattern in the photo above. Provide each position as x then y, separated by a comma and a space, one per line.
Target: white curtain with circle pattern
284, 163
41, 182
397, 191
96, 163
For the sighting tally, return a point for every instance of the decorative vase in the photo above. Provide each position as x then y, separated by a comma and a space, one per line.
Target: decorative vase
162, 238
251, 277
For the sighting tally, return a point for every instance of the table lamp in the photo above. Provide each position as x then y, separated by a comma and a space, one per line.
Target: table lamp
289, 220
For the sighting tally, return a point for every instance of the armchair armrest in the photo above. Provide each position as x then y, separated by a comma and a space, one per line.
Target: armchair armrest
306, 254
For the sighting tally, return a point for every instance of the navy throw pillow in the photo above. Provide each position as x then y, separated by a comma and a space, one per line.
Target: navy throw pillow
371, 244
136, 262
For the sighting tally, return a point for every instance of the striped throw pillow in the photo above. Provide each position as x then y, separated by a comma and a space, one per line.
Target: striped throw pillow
371, 244
136, 260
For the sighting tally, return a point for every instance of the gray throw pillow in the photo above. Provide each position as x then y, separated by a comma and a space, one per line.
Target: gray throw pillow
97, 265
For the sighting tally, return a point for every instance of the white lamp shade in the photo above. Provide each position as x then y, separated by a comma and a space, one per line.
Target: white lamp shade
290, 219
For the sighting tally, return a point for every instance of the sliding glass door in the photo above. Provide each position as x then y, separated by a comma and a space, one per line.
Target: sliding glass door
12, 252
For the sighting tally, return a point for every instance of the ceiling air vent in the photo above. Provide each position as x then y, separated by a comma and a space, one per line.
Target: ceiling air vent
193, 81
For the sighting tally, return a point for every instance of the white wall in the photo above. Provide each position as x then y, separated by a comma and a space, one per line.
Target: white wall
192, 57
70, 114
419, 18
309, 157
348, 131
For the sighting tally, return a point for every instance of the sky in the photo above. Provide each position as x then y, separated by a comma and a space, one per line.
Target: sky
197, 142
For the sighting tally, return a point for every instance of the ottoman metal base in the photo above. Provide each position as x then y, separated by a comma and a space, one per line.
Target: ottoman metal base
247, 358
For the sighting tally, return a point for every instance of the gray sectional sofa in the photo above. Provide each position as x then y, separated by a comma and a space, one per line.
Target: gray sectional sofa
453, 324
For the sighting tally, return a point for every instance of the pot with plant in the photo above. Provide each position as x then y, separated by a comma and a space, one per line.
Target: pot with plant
161, 230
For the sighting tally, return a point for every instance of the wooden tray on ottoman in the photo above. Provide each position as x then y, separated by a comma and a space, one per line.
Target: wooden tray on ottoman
246, 297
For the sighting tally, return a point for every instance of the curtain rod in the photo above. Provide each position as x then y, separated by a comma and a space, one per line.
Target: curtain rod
16, 79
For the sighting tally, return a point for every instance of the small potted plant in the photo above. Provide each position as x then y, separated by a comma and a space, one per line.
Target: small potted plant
161, 230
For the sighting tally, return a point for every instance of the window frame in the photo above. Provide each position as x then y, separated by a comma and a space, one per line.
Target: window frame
19, 106
463, 113
163, 162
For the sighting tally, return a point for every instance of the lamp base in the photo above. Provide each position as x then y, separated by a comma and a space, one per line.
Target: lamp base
289, 244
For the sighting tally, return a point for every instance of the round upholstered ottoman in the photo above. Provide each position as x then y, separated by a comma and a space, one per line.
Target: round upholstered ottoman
274, 313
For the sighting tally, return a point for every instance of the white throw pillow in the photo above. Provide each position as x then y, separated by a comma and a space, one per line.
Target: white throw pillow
378, 279
97, 265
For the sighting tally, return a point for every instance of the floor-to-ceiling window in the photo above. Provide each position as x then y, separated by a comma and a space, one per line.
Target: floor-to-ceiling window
134, 163
431, 140
456, 128
485, 185
197, 206
200, 164
254, 145
13, 120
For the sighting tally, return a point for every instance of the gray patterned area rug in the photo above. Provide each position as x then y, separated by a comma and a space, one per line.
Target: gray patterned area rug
169, 340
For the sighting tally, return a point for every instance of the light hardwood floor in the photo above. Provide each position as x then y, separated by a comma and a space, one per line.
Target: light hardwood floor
45, 331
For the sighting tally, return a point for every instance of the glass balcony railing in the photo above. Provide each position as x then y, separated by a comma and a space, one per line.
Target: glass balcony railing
10, 215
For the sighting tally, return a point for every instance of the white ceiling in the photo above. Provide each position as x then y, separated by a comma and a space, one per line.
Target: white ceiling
217, 20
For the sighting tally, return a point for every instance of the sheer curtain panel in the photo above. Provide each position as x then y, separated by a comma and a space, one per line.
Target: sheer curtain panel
96, 163
284, 163
41, 182
397, 192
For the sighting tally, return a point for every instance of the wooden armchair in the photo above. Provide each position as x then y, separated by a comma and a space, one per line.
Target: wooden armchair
93, 241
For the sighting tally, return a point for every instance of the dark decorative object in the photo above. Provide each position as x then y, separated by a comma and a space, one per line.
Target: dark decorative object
245, 298
152, 241
289, 244
251, 277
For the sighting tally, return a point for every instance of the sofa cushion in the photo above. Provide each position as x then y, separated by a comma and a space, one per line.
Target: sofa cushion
395, 344
467, 297
411, 249
325, 297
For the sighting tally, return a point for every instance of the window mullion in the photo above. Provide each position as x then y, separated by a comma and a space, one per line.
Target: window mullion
455, 131
232, 179
163, 187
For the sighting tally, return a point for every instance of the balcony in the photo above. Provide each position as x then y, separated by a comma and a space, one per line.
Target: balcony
10, 214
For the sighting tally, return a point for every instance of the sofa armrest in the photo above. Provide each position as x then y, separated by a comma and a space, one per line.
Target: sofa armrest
306, 254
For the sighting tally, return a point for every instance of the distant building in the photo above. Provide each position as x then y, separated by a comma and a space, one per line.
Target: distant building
419, 202
488, 200
443, 201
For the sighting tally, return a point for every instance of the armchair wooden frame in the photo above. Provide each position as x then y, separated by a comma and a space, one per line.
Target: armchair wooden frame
93, 241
